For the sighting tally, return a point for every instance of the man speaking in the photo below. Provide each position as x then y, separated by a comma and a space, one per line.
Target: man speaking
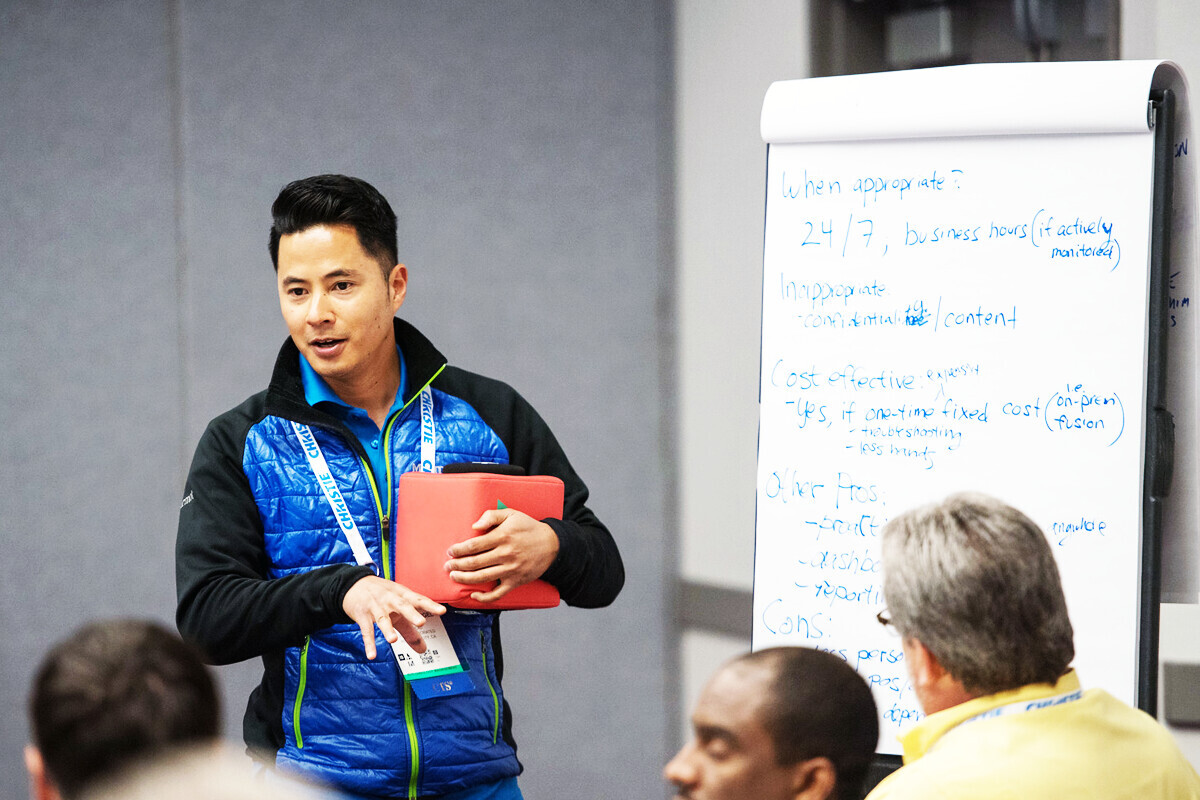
287, 527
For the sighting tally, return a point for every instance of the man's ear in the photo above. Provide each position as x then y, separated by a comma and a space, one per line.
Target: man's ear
923, 666
398, 286
935, 687
815, 779
40, 785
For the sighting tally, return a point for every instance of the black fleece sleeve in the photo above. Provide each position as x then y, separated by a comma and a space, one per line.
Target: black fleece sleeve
588, 571
228, 605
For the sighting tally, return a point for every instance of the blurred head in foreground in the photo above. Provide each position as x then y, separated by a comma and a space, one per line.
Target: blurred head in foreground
203, 773
113, 694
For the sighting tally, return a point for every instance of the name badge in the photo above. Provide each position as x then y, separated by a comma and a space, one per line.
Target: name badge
437, 672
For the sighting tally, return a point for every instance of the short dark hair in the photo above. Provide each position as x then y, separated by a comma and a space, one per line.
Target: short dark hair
819, 707
336, 200
974, 581
114, 693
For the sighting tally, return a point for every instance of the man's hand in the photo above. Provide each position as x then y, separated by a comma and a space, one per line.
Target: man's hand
516, 550
394, 608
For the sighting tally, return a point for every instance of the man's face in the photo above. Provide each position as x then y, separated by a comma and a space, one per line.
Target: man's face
337, 305
731, 755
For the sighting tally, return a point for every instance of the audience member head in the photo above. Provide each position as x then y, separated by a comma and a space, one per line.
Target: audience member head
787, 722
972, 587
208, 773
112, 694
337, 200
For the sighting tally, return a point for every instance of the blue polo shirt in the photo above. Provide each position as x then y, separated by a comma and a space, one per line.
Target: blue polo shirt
319, 395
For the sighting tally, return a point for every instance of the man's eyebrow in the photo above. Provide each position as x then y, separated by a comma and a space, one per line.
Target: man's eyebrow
333, 274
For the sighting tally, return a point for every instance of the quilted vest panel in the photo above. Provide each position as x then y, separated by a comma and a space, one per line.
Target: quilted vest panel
351, 722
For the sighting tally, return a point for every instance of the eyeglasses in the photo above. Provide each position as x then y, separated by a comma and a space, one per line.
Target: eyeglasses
884, 618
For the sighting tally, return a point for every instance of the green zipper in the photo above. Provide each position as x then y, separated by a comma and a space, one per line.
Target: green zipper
300, 693
387, 461
384, 522
384, 519
413, 745
495, 699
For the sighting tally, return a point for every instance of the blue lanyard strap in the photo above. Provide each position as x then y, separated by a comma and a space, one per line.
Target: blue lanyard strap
1021, 706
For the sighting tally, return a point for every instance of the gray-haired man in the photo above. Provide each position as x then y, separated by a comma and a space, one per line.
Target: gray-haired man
972, 587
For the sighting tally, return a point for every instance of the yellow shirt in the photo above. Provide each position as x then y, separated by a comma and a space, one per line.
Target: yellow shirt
1091, 747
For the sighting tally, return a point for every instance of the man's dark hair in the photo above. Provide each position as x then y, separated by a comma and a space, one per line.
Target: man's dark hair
337, 200
115, 693
819, 707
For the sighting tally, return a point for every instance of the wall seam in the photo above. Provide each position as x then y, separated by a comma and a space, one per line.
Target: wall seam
182, 342
668, 365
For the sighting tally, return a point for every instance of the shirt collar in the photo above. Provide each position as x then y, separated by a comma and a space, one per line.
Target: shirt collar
316, 390
921, 738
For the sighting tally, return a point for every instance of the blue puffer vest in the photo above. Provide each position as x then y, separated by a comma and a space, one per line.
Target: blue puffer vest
348, 721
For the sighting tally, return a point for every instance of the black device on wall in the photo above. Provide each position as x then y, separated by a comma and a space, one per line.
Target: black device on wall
855, 36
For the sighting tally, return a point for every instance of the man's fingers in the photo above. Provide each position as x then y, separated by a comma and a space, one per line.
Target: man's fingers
429, 606
368, 634
416, 606
491, 558
492, 517
474, 546
409, 631
396, 610
414, 639
479, 575
494, 594
394, 627
410, 615
384, 623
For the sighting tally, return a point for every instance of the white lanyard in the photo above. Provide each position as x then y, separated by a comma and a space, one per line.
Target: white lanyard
324, 476
316, 461
1021, 706
439, 661
428, 434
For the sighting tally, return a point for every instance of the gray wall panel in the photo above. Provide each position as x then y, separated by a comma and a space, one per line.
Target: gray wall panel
89, 401
521, 144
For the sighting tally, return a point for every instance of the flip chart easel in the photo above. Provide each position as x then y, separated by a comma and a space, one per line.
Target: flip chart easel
965, 287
